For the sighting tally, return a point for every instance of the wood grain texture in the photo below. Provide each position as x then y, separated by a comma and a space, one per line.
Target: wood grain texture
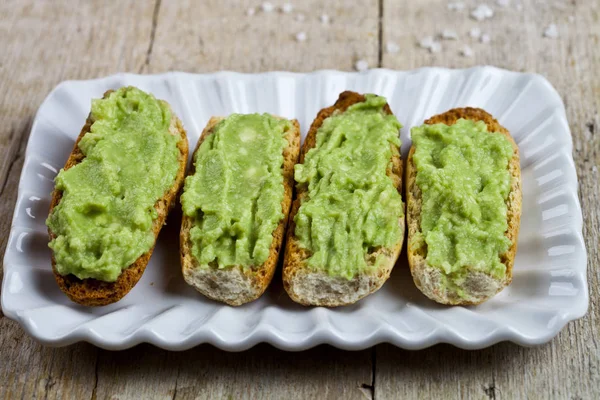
44, 43
208, 373
217, 35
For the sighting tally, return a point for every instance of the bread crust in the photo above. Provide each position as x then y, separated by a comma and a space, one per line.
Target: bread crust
93, 292
317, 288
238, 285
479, 285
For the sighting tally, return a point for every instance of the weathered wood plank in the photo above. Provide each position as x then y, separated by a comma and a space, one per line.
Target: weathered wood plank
218, 35
11, 152
42, 44
568, 366
208, 373
30, 370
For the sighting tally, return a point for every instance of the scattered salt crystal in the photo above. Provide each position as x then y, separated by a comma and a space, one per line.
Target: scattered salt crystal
571, 18
481, 12
361, 65
301, 36
392, 47
475, 33
456, 6
503, 3
287, 8
485, 38
300, 17
467, 51
449, 34
324, 19
250, 11
430, 44
267, 7
551, 31
426, 42
595, 169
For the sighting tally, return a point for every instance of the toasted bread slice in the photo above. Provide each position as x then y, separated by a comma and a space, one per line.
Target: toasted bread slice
478, 285
309, 287
238, 285
93, 292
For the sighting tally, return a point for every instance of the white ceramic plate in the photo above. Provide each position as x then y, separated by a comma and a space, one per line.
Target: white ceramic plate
549, 286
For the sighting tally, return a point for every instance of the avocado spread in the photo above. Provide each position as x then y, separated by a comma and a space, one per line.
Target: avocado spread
103, 221
236, 191
352, 207
462, 171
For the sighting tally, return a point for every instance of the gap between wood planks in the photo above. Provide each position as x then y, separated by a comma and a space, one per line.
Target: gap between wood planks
368, 390
152, 35
380, 37
94, 391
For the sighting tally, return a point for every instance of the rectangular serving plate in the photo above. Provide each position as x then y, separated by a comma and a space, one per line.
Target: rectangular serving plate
549, 285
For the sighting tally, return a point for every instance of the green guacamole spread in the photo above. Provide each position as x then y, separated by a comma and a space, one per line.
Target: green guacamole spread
103, 222
462, 171
236, 191
352, 207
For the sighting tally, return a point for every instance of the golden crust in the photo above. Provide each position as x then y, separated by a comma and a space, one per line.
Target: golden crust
416, 257
93, 292
255, 280
295, 271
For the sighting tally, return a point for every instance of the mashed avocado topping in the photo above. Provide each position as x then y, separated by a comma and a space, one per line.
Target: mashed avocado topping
352, 207
236, 191
462, 171
103, 222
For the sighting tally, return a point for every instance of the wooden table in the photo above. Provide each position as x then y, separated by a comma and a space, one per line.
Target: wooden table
45, 42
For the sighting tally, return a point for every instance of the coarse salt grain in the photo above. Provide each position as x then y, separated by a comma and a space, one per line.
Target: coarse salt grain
361, 65
481, 12
392, 47
287, 8
475, 33
551, 31
300, 17
267, 7
301, 36
449, 34
485, 38
324, 19
571, 18
426, 42
456, 6
467, 51
250, 11
430, 44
